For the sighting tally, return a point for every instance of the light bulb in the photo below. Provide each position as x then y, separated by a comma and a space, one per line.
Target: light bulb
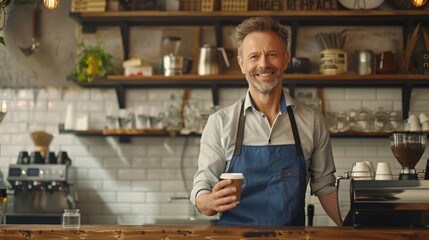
418, 3
51, 4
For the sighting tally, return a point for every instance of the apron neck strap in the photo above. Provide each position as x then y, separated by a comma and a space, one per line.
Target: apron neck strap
298, 146
240, 132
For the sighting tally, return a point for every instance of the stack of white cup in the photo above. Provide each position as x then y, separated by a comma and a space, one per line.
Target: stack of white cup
361, 171
424, 121
383, 171
412, 124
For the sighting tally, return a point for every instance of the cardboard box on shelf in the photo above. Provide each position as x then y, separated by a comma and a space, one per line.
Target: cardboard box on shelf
138, 71
88, 6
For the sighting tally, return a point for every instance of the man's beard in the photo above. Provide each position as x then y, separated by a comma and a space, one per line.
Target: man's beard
264, 87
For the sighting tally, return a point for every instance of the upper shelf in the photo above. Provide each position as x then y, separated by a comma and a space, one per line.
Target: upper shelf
238, 80
336, 17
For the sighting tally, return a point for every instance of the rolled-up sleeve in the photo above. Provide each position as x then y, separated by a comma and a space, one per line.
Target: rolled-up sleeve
211, 160
322, 166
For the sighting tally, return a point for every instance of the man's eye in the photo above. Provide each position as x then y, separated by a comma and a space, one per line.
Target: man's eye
253, 57
272, 55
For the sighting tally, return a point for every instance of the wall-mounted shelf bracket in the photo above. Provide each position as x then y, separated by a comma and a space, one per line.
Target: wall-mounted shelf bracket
406, 99
120, 94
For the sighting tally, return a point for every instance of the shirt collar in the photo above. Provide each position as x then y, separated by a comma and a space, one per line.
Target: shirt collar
285, 101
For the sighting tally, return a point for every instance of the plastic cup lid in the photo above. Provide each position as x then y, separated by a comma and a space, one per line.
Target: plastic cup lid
231, 176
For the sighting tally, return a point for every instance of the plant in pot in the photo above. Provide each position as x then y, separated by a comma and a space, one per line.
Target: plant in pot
93, 62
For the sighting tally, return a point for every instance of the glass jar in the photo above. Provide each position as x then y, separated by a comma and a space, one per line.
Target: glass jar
395, 122
380, 120
191, 116
364, 120
71, 218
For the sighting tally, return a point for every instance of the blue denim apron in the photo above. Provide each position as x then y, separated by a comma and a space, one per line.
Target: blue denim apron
274, 183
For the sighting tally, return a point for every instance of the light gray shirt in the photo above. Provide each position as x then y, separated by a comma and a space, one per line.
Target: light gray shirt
219, 138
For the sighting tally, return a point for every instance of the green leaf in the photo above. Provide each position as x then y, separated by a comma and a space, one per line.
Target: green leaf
105, 65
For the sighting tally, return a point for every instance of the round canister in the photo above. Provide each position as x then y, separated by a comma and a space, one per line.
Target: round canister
333, 61
366, 64
173, 65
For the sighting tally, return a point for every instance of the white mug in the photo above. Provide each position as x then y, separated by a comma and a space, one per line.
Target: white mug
423, 117
425, 126
412, 124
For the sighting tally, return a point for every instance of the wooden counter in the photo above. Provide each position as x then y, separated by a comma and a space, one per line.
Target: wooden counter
170, 232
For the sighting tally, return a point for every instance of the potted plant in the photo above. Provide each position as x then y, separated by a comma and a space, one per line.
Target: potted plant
93, 61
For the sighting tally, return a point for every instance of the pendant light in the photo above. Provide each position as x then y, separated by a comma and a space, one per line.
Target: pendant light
418, 3
51, 4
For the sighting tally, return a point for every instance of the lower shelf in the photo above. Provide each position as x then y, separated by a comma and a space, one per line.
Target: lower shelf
165, 133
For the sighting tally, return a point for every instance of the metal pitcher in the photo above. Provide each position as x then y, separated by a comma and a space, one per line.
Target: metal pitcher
210, 62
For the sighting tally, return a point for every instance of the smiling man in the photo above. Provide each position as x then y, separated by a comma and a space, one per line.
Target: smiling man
278, 143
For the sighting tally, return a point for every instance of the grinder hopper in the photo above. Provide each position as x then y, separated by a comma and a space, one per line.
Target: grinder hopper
408, 148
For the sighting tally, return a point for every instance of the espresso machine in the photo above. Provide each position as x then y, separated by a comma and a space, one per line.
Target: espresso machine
40, 190
403, 202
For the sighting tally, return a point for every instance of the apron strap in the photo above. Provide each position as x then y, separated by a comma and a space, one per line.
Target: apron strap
240, 132
298, 146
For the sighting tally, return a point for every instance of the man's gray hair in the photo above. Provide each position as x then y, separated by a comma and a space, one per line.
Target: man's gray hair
261, 24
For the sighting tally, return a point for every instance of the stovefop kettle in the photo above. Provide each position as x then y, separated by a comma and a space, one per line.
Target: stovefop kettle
212, 60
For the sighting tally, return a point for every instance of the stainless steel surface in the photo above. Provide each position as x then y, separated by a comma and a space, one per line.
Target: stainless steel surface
173, 65
210, 62
39, 189
384, 202
37, 172
366, 63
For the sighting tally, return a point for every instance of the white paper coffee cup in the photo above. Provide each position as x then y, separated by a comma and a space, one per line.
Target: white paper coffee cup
237, 182
383, 171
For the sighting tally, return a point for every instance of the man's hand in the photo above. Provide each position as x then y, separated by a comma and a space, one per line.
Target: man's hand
221, 199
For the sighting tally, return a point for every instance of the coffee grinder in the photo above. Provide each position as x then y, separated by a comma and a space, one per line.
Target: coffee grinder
408, 148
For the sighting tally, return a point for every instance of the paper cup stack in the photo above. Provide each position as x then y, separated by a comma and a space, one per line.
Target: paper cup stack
383, 171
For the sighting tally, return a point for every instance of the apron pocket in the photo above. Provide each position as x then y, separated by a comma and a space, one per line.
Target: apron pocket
290, 191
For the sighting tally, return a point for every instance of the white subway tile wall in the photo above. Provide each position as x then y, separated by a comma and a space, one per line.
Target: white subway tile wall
137, 182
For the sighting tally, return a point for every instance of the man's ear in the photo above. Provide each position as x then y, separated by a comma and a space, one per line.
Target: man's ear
240, 63
286, 58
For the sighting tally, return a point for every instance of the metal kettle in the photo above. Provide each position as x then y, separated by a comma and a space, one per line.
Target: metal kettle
210, 62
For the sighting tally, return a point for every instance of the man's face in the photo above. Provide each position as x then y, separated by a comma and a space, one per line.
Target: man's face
263, 61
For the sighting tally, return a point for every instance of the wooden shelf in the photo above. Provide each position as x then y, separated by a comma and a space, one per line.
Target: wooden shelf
161, 16
125, 132
315, 80
164, 133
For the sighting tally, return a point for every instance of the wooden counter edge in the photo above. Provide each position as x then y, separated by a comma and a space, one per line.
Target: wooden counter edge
171, 232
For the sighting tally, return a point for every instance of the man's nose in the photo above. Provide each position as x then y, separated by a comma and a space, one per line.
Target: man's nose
263, 61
